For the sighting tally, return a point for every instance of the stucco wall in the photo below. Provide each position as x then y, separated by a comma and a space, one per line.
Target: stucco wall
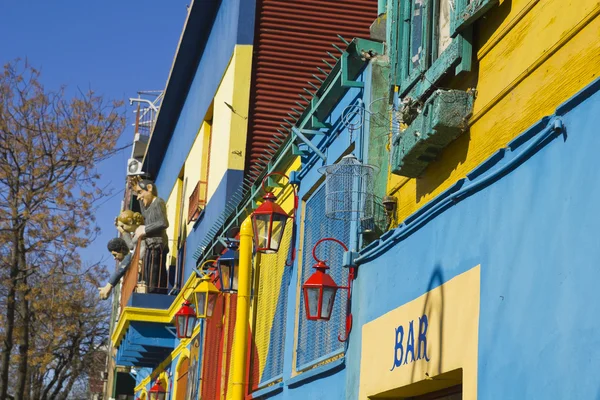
533, 234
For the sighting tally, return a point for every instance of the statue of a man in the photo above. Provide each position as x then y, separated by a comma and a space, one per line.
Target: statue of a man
154, 233
120, 251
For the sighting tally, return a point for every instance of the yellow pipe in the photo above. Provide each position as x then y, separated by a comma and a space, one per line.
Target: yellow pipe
243, 306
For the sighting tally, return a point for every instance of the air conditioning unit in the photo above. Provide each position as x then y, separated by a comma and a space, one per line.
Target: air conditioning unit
134, 167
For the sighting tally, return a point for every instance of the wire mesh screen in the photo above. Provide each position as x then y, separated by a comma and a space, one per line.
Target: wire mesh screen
271, 302
349, 187
211, 374
319, 339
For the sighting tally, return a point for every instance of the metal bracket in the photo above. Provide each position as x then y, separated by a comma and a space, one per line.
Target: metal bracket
348, 259
298, 133
172, 330
347, 82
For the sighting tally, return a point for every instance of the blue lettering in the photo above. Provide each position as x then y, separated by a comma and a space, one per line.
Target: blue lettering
410, 344
422, 338
398, 346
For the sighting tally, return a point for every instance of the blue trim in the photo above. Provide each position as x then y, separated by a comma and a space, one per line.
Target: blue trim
268, 391
270, 381
316, 373
150, 300
319, 360
212, 214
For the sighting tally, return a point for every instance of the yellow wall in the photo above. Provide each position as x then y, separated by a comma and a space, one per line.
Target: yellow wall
173, 202
533, 55
447, 357
228, 143
229, 129
195, 166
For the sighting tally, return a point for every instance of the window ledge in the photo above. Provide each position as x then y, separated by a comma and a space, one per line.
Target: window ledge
268, 391
316, 373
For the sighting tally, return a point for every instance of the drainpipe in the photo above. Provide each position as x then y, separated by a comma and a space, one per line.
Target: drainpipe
243, 305
381, 7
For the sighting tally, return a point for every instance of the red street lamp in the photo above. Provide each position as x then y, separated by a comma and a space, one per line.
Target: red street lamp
157, 392
269, 219
185, 319
320, 290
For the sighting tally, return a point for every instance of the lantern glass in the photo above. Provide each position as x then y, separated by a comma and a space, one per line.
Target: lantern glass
228, 271
201, 303
181, 323
261, 230
157, 392
278, 227
327, 302
212, 300
312, 302
269, 224
185, 319
190, 326
205, 296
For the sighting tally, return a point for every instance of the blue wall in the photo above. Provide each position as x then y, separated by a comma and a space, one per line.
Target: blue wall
534, 232
234, 24
231, 180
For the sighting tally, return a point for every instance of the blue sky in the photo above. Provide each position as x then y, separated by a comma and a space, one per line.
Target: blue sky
115, 47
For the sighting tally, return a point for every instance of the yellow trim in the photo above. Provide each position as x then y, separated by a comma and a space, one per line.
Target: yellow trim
151, 314
180, 349
185, 354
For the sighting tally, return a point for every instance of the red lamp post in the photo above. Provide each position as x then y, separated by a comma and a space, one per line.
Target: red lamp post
185, 319
268, 221
157, 392
320, 290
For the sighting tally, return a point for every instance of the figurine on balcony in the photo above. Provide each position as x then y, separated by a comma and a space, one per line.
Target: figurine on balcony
120, 251
127, 222
154, 233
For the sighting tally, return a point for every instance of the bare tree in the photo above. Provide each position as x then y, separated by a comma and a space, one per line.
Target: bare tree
50, 146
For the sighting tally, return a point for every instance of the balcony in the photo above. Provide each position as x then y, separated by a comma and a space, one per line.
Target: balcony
144, 335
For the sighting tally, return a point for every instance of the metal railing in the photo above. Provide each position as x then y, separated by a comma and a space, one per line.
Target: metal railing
147, 273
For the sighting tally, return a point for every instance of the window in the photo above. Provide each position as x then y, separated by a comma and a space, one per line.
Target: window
318, 340
425, 50
431, 38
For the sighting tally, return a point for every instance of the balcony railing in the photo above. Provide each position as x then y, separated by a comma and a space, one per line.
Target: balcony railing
139, 279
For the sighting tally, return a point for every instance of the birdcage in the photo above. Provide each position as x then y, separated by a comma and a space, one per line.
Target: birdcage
349, 190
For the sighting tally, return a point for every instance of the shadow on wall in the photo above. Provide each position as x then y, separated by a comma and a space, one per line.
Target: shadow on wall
437, 315
456, 153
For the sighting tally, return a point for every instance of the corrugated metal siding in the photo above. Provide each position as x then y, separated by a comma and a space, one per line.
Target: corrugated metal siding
291, 39
230, 336
211, 374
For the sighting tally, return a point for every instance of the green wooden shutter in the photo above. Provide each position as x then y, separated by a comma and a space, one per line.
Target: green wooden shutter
468, 11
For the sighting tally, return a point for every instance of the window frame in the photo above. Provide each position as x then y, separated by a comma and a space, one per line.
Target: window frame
418, 82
